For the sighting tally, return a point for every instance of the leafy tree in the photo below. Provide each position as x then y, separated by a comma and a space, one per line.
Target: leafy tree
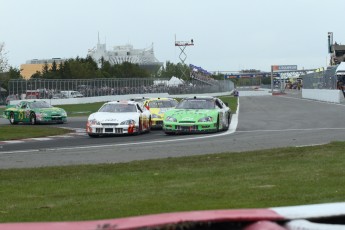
13, 73
176, 70
218, 76
130, 70
60, 72
54, 68
87, 68
107, 69
3, 58
36, 75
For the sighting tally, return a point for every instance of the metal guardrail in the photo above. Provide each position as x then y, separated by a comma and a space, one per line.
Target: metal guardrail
48, 88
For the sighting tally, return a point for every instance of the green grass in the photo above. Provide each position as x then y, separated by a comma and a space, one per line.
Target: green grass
81, 109
258, 179
15, 132
232, 102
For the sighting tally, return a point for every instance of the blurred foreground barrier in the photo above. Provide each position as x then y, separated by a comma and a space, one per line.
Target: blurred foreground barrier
317, 216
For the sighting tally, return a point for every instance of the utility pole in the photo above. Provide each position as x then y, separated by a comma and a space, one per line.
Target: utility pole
330, 49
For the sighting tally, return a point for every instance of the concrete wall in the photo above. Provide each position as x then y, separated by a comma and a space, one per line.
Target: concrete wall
327, 95
258, 92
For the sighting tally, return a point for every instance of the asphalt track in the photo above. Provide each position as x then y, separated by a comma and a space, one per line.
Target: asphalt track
263, 122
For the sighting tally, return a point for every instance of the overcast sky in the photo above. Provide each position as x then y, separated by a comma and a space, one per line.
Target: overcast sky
228, 35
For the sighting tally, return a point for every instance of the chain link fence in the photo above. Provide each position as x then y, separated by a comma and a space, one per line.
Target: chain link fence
48, 88
326, 79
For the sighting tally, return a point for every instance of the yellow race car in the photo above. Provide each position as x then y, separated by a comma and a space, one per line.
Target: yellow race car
157, 107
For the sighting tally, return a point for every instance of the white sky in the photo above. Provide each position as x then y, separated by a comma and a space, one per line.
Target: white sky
228, 35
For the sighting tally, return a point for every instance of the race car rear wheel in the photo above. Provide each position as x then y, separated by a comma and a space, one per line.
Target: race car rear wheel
140, 128
12, 119
149, 125
32, 118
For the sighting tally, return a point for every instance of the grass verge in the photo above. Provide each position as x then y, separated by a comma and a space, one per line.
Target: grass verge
78, 110
15, 132
258, 179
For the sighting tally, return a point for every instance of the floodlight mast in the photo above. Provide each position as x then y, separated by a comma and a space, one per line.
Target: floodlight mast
183, 56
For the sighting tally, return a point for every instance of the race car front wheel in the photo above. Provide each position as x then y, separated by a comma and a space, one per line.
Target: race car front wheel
12, 119
169, 133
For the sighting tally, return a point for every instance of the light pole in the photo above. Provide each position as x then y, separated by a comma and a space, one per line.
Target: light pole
183, 56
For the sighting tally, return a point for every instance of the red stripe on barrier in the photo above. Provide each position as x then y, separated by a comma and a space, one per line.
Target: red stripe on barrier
250, 215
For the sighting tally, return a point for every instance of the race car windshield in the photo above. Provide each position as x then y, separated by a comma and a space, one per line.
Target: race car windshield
118, 108
162, 104
195, 104
40, 105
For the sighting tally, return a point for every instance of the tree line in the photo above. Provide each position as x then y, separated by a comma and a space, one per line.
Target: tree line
87, 68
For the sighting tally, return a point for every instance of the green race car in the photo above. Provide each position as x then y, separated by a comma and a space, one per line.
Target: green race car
34, 112
197, 115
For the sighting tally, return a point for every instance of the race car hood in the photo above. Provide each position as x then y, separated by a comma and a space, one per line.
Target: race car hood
113, 117
159, 111
190, 114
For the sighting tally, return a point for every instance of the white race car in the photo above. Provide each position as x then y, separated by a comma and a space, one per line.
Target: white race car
119, 117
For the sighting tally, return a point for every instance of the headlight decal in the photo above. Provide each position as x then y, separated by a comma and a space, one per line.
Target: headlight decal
93, 122
156, 116
128, 122
206, 119
171, 119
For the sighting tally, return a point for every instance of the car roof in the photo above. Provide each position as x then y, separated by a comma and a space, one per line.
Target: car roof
161, 98
12, 96
122, 102
199, 97
36, 101
139, 98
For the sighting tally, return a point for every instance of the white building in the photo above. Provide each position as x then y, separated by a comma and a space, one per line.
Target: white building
143, 57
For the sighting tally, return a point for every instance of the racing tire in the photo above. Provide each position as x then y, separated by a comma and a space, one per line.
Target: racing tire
217, 128
140, 128
33, 119
149, 126
12, 119
93, 135
228, 121
169, 133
